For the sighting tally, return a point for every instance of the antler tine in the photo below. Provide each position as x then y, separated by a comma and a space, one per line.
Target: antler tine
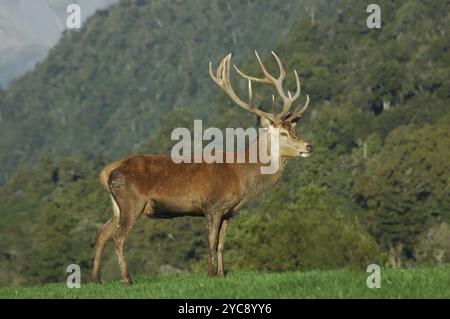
223, 66
274, 109
298, 86
226, 70
250, 93
280, 66
300, 110
218, 78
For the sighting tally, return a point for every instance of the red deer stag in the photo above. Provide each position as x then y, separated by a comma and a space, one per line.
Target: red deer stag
155, 186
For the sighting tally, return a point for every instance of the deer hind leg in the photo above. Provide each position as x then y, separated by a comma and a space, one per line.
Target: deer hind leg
213, 225
220, 246
104, 234
130, 208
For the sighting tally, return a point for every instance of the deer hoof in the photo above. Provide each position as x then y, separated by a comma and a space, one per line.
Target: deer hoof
127, 281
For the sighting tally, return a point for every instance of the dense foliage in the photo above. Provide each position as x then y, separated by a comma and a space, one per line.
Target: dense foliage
375, 190
311, 232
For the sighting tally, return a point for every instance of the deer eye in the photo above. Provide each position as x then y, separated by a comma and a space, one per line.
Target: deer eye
283, 134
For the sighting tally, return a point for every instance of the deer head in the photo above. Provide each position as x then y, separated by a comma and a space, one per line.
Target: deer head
284, 122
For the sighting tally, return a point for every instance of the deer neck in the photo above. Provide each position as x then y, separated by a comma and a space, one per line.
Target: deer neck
253, 180
259, 183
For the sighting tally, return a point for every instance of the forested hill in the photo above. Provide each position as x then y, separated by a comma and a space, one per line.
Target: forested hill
375, 190
103, 90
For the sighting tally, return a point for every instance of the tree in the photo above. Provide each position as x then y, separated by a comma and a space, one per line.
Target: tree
406, 185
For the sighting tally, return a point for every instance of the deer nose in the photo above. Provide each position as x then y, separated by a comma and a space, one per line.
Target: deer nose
309, 147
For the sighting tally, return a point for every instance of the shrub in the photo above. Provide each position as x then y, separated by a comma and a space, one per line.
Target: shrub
434, 246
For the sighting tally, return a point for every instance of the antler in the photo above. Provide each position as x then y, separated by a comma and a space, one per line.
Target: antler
223, 80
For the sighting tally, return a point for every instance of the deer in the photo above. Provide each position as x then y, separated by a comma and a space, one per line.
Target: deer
155, 186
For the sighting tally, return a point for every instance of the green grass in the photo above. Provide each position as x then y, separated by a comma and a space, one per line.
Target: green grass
395, 283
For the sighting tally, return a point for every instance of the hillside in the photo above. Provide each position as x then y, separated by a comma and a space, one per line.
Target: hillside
377, 188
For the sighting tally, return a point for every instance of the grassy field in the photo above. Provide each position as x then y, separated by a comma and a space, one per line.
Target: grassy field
395, 283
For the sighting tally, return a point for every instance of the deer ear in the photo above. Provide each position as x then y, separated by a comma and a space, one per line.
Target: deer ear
294, 121
264, 122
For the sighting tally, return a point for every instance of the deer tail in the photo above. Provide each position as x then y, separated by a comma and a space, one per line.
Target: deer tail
106, 171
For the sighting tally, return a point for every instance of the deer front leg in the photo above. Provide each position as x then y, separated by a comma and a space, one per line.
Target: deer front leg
222, 234
213, 225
